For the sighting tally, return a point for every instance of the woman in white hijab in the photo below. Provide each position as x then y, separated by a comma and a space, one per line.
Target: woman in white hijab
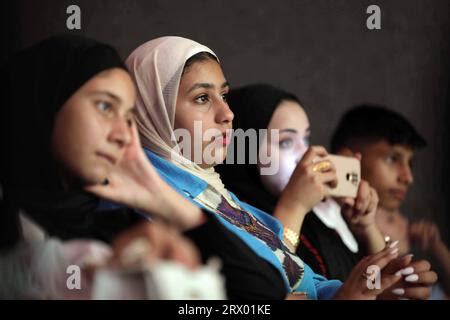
185, 124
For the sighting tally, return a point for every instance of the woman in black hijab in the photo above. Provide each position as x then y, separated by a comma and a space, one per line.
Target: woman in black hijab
37, 82
69, 139
254, 106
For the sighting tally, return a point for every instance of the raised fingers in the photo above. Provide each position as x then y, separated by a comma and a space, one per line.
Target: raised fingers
314, 152
400, 265
426, 278
383, 258
421, 265
329, 177
362, 197
373, 200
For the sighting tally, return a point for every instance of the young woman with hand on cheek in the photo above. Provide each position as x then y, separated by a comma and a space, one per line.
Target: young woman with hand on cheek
68, 127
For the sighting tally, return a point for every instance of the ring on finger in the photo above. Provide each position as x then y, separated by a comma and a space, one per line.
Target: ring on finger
322, 166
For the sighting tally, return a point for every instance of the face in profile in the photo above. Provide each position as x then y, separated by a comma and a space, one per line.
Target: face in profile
293, 141
93, 128
202, 101
388, 169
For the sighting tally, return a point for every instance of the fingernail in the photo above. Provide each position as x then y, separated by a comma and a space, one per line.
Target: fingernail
405, 272
412, 278
393, 244
398, 291
394, 251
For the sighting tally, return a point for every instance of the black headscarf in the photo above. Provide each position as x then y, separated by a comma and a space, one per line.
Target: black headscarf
253, 107
36, 83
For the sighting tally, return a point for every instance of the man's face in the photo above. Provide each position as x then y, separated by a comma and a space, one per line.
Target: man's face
388, 169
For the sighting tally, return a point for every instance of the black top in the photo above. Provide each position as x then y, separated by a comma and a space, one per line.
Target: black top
324, 251
247, 275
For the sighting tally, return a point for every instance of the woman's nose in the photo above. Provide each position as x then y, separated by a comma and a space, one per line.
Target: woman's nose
224, 113
120, 132
406, 175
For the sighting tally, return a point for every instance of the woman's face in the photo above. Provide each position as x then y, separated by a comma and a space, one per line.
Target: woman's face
93, 127
293, 141
203, 111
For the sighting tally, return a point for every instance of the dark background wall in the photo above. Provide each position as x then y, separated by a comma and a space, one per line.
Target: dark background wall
319, 49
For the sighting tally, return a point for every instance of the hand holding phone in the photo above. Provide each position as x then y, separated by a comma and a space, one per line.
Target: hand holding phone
348, 171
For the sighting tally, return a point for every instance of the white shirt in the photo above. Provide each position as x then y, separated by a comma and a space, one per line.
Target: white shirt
329, 212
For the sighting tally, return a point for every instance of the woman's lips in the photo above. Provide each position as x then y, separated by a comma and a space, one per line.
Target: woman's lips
108, 157
399, 194
224, 139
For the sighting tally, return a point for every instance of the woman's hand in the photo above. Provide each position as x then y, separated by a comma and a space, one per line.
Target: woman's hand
426, 236
416, 282
135, 183
309, 183
149, 242
365, 282
136, 248
360, 212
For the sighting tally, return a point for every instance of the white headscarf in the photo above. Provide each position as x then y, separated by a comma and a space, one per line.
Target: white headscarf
156, 68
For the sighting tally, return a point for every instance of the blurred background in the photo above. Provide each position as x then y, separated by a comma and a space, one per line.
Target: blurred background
321, 50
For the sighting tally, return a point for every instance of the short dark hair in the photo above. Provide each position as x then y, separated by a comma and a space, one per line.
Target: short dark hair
365, 124
201, 56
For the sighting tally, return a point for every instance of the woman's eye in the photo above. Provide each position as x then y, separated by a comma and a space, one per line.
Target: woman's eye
286, 143
306, 141
202, 99
225, 97
103, 106
391, 159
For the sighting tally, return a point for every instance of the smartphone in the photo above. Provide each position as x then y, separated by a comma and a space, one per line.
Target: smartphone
348, 171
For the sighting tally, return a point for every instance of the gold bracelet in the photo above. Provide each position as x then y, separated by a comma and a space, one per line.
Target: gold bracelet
291, 236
